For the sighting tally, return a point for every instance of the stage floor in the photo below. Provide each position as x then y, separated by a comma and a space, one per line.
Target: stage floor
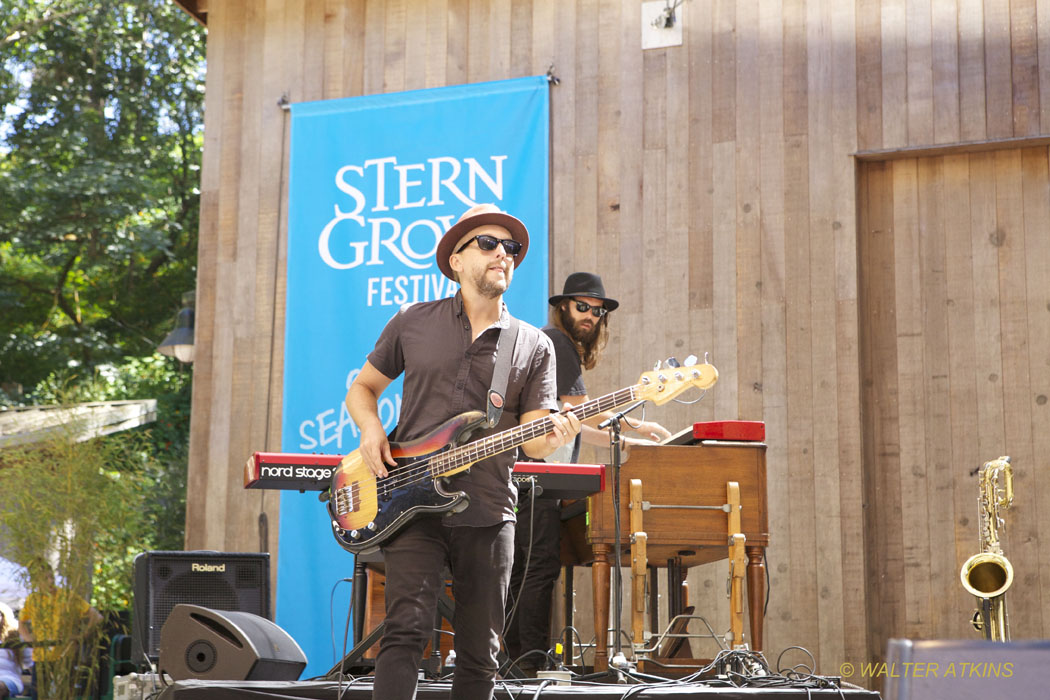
510, 690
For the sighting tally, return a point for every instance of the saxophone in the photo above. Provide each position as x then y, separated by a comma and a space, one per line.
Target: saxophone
988, 574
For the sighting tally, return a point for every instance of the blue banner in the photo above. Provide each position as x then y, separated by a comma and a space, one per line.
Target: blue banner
373, 184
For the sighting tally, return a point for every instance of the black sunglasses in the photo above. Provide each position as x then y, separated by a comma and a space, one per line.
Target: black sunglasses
488, 243
583, 307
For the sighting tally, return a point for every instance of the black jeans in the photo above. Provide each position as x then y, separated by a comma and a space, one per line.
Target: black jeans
480, 561
529, 628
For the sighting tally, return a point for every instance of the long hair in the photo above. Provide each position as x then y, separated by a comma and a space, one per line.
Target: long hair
590, 351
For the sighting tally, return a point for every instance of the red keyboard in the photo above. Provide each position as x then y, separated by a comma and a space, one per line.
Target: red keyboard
290, 471
561, 480
309, 472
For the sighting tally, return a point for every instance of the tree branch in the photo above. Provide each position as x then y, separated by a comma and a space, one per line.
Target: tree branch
33, 26
60, 300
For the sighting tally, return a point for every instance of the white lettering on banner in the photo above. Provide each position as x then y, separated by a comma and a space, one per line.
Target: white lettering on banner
405, 183
380, 164
325, 429
350, 239
475, 170
358, 247
404, 289
398, 241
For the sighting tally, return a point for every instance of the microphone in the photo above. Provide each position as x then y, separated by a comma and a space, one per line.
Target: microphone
617, 416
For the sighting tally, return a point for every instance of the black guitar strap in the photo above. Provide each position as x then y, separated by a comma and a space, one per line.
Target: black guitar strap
575, 459
501, 373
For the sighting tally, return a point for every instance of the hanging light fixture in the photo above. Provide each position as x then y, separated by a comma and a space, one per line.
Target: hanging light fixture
179, 343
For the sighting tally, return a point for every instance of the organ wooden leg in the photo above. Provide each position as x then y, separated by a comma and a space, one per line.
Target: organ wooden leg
639, 565
600, 587
756, 592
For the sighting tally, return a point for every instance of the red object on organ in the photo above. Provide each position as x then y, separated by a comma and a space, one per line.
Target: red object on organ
737, 430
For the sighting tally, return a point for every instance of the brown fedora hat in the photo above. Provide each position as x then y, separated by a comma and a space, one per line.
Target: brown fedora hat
480, 215
584, 284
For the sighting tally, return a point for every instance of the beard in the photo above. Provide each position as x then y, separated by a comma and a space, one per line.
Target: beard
583, 336
489, 288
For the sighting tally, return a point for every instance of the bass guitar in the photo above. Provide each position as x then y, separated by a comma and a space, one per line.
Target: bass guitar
366, 512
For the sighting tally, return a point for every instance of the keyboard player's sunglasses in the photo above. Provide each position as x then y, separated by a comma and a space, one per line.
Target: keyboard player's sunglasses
583, 307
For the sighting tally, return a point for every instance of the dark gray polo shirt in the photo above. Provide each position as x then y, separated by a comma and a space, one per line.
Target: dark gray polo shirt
446, 374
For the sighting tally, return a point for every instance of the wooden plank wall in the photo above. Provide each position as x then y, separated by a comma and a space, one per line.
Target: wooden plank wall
954, 252
714, 186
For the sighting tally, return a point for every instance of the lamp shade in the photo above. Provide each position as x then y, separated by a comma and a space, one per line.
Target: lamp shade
179, 343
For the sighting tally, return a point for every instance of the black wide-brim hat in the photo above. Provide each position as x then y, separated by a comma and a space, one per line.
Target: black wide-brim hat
584, 284
480, 215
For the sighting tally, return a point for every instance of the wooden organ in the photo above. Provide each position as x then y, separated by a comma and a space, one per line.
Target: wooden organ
683, 492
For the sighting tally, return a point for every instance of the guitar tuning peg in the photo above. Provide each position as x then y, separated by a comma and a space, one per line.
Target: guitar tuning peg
656, 366
690, 361
707, 360
672, 362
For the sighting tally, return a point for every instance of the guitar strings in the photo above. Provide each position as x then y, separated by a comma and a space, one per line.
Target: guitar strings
412, 473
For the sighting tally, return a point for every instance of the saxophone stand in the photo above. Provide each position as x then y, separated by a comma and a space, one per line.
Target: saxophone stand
620, 670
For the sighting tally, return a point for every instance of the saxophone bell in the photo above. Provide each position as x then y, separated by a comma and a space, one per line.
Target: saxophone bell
987, 575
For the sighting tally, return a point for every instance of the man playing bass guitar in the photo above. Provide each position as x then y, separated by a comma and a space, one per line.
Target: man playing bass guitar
447, 350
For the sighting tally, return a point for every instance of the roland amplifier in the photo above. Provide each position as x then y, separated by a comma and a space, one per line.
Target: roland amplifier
218, 580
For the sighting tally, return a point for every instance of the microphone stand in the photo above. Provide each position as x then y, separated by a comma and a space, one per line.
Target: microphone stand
614, 442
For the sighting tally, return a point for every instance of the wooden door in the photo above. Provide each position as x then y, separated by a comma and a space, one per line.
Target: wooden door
954, 279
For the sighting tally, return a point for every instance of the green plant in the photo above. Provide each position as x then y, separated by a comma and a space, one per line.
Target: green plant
164, 445
71, 507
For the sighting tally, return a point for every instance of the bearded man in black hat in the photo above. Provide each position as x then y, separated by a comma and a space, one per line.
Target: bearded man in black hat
579, 330
448, 350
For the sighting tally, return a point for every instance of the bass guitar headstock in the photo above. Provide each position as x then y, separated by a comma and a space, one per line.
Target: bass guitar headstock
670, 378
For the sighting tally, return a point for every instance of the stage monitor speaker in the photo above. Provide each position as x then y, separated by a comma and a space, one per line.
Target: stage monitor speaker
224, 645
956, 669
219, 580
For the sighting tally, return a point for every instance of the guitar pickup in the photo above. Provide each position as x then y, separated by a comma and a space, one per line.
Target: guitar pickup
347, 499
383, 489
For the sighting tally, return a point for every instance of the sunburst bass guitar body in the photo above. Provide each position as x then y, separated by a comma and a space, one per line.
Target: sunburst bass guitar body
367, 512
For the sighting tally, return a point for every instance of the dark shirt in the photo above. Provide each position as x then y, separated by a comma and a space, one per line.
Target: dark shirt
570, 368
446, 374
570, 383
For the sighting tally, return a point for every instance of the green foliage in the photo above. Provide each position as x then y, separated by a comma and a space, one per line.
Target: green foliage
95, 505
64, 501
152, 458
100, 142
100, 146
164, 444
